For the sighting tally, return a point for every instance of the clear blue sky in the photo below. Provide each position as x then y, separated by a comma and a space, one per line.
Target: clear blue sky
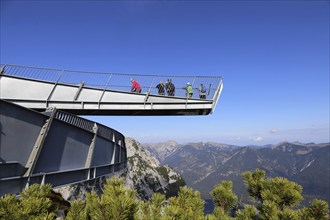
274, 56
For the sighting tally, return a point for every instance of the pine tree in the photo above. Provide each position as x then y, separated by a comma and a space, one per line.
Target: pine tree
152, 209
77, 211
277, 196
289, 214
281, 191
157, 206
248, 213
276, 199
187, 205
117, 202
223, 196
268, 211
254, 183
33, 204
319, 209
220, 213
9, 208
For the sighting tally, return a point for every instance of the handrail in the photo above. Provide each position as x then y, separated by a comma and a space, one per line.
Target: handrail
93, 72
119, 81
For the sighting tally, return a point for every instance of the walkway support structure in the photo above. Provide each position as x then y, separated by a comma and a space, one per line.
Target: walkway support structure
94, 93
54, 147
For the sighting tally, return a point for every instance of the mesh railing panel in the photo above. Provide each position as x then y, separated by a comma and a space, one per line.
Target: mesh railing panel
74, 120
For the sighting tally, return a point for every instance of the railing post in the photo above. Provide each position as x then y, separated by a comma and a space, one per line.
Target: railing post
79, 90
105, 88
147, 95
51, 92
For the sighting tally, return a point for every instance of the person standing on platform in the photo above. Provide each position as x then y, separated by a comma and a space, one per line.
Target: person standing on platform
190, 91
135, 86
161, 88
170, 88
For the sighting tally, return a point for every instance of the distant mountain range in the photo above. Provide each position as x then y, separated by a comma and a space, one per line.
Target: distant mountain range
204, 165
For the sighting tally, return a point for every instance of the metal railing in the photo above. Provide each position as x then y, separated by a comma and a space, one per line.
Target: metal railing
88, 125
75, 120
117, 81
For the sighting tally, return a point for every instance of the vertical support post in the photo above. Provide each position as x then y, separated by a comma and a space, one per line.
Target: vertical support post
79, 90
119, 143
43, 180
216, 96
34, 155
148, 93
105, 88
114, 149
51, 92
91, 147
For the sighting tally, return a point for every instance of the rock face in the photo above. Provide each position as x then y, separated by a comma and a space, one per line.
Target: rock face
144, 173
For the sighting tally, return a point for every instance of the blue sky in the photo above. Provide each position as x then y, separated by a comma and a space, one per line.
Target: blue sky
273, 55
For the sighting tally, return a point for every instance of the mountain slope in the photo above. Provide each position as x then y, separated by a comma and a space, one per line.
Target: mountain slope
146, 175
203, 165
162, 150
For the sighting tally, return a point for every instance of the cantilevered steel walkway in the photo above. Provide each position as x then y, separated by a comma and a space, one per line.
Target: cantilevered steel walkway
61, 148
94, 93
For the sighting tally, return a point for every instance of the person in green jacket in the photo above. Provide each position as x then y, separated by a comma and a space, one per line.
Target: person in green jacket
190, 91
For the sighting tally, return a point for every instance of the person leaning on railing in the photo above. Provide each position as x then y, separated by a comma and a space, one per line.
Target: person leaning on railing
189, 90
135, 86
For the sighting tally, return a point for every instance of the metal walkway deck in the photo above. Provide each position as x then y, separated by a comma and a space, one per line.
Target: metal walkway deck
54, 147
92, 93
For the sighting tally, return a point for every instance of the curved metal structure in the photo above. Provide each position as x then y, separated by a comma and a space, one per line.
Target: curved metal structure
92, 93
60, 148
54, 147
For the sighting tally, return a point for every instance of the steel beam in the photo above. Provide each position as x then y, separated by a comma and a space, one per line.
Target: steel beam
91, 148
32, 161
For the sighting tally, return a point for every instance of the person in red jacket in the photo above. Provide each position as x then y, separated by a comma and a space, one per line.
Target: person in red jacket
135, 86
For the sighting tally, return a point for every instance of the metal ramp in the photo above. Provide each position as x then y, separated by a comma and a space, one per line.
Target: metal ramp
93, 93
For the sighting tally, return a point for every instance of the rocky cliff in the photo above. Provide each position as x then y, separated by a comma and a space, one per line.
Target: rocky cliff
144, 173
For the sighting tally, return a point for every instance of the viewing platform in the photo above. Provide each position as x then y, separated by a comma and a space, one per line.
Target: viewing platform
100, 93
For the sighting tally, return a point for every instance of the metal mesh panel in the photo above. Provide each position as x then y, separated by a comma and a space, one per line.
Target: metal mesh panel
74, 120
